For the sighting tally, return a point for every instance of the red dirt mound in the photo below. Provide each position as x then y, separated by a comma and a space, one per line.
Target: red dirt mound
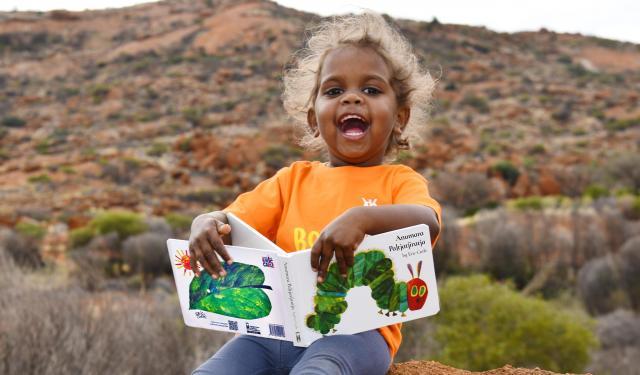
435, 368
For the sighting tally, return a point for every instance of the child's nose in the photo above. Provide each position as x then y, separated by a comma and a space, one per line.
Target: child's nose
351, 98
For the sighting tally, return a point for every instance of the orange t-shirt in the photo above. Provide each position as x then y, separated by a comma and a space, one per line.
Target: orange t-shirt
292, 207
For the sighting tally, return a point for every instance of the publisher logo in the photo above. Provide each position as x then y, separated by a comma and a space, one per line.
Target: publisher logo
267, 262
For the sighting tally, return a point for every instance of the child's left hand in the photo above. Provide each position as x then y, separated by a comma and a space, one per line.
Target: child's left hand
342, 237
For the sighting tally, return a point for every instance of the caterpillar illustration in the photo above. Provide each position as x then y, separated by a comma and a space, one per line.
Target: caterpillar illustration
239, 294
373, 269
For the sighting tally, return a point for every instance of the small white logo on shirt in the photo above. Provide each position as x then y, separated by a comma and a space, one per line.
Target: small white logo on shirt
369, 202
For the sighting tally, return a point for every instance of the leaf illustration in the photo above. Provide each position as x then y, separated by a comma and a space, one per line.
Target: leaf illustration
239, 294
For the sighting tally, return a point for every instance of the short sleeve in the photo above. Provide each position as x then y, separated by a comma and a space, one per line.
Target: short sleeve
262, 207
412, 188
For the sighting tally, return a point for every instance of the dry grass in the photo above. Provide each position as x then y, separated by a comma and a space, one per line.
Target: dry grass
67, 330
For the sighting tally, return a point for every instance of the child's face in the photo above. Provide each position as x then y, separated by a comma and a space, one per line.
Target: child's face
356, 111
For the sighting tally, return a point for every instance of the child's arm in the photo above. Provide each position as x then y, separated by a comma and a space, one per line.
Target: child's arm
208, 236
344, 234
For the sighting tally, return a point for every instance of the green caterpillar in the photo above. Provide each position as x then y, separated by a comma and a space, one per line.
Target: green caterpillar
371, 268
239, 294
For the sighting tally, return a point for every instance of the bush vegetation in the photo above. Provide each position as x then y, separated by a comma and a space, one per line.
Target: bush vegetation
13, 122
477, 102
507, 255
146, 255
59, 329
31, 229
619, 334
507, 171
467, 192
124, 223
42, 178
487, 325
99, 92
22, 250
178, 222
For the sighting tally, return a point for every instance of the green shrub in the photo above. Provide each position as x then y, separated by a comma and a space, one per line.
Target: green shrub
634, 211
178, 221
528, 203
484, 325
67, 169
98, 92
30, 229
620, 125
193, 114
81, 236
477, 102
13, 122
184, 144
596, 191
507, 171
42, 147
538, 149
40, 179
124, 223
157, 149
577, 70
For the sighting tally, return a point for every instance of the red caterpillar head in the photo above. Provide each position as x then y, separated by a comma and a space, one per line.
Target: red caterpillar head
417, 290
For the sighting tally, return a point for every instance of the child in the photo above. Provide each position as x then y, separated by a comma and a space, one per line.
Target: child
358, 93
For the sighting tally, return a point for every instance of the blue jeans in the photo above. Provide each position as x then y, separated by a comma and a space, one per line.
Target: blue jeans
362, 353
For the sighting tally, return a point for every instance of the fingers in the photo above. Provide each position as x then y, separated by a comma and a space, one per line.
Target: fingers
205, 244
316, 250
193, 261
349, 257
342, 265
327, 254
208, 259
223, 228
217, 245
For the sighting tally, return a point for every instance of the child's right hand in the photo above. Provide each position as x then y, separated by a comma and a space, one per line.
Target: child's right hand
205, 243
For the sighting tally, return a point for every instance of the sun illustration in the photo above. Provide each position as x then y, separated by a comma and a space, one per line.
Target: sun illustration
183, 261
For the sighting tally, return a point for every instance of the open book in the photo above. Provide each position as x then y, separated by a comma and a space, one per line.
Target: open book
271, 293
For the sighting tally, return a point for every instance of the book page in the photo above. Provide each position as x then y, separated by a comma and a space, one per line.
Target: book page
393, 280
246, 236
248, 300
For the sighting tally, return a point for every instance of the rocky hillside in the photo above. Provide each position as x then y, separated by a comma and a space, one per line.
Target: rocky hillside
175, 106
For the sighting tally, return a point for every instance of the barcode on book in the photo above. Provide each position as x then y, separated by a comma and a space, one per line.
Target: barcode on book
233, 325
276, 330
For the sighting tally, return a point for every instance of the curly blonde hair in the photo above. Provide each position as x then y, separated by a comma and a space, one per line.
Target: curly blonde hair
412, 85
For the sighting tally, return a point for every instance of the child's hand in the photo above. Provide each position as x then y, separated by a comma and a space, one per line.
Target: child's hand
342, 236
206, 240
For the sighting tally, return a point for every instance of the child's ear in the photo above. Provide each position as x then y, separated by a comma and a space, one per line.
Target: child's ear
311, 121
402, 119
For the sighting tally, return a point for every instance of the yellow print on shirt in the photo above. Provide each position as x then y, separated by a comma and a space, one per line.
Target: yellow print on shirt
303, 240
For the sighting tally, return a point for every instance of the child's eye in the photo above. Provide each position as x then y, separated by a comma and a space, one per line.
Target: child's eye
371, 91
333, 91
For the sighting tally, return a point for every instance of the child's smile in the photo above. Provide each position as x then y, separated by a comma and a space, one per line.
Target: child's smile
355, 110
353, 126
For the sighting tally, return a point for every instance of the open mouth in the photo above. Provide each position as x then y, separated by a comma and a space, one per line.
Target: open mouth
353, 126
